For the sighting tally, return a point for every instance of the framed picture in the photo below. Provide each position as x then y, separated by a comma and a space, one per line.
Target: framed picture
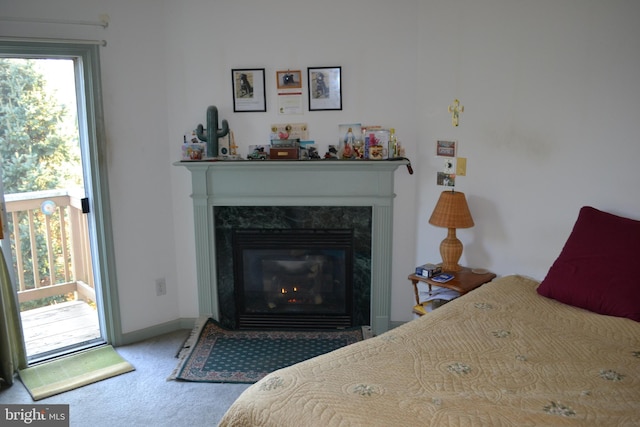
249, 94
325, 88
289, 79
446, 179
446, 148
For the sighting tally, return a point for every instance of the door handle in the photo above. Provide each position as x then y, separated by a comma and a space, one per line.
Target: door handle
85, 205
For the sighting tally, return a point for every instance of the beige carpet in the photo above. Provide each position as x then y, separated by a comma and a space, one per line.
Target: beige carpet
76, 370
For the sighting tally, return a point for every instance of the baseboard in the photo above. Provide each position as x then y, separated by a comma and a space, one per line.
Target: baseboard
154, 331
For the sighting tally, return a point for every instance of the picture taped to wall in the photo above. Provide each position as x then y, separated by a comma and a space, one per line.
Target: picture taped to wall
249, 94
446, 179
446, 148
325, 88
449, 165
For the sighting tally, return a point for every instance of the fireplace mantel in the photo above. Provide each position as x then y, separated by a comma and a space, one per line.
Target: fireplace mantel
295, 183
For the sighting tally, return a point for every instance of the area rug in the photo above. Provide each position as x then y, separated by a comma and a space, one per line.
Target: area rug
220, 355
76, 370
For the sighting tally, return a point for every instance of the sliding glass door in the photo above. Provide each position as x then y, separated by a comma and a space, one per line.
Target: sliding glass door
55, 207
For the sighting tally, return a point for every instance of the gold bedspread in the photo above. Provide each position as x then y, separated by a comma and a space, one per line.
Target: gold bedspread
499, 356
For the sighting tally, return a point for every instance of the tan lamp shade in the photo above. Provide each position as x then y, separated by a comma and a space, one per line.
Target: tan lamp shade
451, 212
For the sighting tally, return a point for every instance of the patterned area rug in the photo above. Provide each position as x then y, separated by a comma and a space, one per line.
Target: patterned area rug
220, 355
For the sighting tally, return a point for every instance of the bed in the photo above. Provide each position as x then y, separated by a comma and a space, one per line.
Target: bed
512, 352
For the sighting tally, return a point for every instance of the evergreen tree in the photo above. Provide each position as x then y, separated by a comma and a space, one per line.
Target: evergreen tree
33, 146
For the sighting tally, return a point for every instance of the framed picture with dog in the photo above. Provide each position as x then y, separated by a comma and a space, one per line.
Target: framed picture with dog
289, 79
325, 88
249, 94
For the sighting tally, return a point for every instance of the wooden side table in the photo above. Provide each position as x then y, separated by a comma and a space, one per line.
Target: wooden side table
464, 281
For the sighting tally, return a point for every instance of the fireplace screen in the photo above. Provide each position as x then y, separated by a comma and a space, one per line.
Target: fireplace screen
293, 278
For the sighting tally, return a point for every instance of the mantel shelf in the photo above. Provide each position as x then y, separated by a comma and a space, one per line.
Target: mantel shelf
339, 165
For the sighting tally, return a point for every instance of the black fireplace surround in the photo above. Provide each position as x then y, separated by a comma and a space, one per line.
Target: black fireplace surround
265, 257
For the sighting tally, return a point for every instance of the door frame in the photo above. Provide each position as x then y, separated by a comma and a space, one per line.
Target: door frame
93, 149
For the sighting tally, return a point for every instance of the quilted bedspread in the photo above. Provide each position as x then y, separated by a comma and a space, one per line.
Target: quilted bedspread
501, 355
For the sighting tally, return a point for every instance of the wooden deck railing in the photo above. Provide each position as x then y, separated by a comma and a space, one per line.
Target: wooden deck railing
59, 239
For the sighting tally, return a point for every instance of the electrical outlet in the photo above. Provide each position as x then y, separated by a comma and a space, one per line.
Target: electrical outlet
161, 287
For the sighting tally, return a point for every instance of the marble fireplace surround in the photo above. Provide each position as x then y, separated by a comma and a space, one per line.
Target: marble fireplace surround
295, 183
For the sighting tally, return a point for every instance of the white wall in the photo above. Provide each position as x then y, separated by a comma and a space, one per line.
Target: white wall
551, 119
551, 123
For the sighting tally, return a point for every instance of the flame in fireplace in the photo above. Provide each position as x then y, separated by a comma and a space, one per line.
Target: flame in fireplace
293, 299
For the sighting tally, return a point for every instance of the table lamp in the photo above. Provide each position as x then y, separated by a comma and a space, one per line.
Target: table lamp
451, 212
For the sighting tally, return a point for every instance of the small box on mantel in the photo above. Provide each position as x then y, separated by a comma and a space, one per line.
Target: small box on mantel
285, 149
284, 153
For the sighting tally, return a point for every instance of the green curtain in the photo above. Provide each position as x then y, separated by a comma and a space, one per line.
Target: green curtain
12, 351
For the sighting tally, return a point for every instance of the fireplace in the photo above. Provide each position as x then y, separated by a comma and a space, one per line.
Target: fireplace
293, 278
274, 183
249, 240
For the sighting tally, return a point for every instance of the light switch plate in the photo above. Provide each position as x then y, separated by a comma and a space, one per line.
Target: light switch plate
461, 166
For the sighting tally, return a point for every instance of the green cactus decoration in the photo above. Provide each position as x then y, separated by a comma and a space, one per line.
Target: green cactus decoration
213, 133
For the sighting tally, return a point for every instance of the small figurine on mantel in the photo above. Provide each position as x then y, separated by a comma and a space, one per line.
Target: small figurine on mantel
332, 153
233, 148
345, 151
258, 153
313, 153
211, 134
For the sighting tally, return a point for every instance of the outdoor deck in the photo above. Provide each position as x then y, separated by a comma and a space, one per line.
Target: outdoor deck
57, 326
51, 255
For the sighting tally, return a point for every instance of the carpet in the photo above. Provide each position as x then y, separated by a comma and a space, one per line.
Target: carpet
218, 355
73, 371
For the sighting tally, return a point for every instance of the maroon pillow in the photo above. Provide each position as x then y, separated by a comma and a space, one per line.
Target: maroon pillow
597, 268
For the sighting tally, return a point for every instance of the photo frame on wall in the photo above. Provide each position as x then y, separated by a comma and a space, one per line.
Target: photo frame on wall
325, 88
289, 79
249, 94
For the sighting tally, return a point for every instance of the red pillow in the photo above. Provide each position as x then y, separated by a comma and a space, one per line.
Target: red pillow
597, 268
